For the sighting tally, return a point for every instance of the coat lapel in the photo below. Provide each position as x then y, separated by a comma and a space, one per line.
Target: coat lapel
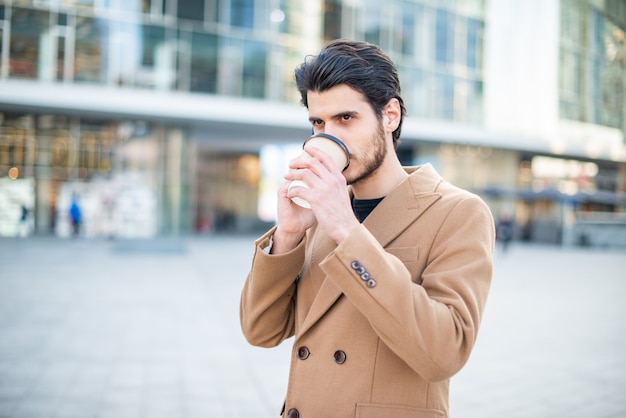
390, 218
405, 204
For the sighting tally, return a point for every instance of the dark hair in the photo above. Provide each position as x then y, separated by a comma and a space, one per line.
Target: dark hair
360, 65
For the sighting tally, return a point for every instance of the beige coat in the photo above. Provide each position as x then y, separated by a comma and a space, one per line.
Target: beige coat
382, 321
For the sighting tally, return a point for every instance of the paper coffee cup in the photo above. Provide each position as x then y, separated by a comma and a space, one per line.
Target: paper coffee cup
333, 147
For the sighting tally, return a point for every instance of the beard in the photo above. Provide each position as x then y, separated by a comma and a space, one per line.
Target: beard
373, 158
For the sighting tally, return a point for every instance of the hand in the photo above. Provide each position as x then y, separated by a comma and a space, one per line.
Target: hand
293, 221
327, 193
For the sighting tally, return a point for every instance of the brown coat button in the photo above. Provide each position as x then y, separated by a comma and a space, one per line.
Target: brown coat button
303, 353
340, 356
293, 413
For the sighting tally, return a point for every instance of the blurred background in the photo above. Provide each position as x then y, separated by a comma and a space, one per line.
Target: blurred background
159, 130
177, 117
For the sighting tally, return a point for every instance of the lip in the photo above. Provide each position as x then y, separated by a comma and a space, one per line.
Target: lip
337, 141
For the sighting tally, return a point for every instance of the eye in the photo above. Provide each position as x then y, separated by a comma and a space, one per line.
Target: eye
346, 117
316, 122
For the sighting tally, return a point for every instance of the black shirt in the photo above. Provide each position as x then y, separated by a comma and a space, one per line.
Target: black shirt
362, 208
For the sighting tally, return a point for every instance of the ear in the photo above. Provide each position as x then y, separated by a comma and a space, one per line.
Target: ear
391, 115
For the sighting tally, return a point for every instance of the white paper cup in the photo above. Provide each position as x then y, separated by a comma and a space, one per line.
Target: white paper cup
330, 145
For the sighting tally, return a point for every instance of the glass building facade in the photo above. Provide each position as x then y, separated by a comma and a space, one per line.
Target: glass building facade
205, 46
142, 174
438, 46
593, 62
244, 48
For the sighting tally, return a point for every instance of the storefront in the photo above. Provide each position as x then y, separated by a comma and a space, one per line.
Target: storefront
129, 178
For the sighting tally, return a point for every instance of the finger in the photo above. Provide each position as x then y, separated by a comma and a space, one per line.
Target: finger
321, 156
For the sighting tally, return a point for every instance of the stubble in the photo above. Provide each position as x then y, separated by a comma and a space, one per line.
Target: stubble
372, 158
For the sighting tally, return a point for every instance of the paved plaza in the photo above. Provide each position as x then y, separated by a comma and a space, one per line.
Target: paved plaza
150, 329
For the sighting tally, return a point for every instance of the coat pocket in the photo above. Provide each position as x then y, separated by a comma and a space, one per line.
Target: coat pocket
374, 410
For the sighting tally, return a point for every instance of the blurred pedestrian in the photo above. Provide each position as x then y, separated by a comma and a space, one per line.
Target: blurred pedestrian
504, 232
383, 283
23, 227
75, 217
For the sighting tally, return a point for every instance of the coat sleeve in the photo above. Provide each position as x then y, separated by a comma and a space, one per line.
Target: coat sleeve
267, 304
431, 325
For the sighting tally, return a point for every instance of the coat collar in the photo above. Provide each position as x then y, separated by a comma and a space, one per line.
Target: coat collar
388, 220
405, 204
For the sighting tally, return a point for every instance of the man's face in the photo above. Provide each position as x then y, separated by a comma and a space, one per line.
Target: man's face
345, 113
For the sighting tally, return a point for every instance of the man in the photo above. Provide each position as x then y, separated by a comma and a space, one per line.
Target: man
382, 283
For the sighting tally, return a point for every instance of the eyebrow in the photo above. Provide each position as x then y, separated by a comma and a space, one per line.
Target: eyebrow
336, 115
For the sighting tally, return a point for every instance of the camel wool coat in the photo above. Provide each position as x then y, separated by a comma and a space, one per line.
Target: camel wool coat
383, 320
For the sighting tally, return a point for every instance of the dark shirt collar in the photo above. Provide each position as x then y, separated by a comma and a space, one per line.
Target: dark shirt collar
363, 207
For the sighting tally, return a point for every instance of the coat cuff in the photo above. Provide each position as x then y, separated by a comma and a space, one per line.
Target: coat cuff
278, 263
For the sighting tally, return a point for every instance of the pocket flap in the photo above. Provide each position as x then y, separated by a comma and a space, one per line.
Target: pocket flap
372, 410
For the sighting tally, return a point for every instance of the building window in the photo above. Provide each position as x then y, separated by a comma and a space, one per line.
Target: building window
230, 64
3, 60
443, 99
409, 15
415, 84
592, 87
242, 13
254, 69
29, 29
474, 60
190, 9
286, 16
616, 9
203, 66
372, 24
157, 59
611, 58
473, 108
332, 20
444, 37
425, 35
89, 45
